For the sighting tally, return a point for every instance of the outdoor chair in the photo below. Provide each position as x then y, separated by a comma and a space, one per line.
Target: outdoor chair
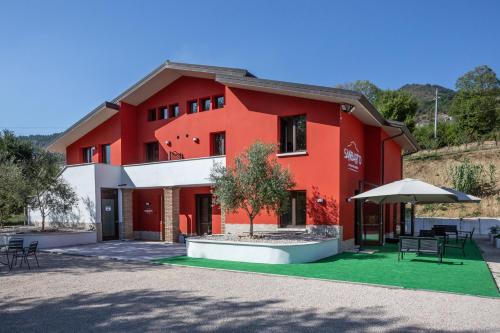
421, 245
467, 233
446, 230
406, 245
30, 251
431, 246
15, 249
426, 233
460, 244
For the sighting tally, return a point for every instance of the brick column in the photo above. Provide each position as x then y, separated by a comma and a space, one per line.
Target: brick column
171, 214
127, 231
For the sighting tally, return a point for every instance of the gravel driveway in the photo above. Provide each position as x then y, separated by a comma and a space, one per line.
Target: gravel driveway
82, 294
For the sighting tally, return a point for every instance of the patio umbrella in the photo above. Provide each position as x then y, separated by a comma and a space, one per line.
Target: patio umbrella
408, 190
462, 197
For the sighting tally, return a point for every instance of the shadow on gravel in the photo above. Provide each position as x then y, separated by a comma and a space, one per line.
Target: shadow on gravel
174, 311
74, 265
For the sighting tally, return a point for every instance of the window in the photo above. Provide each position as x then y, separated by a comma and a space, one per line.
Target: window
106, 154
219, 102
296, 214
193, 106
219, 144
164, 113
293, 134
175, 110
88, 152
206, 104
151, 114
152, 151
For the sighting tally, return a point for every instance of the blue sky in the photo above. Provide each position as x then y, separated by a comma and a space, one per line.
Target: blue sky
60, 59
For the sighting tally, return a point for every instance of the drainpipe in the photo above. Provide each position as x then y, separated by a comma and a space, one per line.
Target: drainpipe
382, 153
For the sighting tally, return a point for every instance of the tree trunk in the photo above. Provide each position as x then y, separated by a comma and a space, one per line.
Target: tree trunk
251, 226
43, 220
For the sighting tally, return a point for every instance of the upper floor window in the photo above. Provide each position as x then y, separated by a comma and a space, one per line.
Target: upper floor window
175, 110
219, 144
219, 102
152, 151
88, 152
151, 114
163, 113
193, 106
206, 104
293, 134
106, 154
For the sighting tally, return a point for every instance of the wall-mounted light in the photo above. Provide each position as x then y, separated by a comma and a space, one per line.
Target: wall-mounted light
196, 140
168, 143
347, 108
320, 200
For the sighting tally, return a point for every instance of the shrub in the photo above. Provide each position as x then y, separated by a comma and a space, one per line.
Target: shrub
472, 178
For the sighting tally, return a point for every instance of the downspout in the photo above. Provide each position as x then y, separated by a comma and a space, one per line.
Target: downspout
382, 153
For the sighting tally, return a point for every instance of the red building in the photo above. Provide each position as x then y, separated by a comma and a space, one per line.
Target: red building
141, 162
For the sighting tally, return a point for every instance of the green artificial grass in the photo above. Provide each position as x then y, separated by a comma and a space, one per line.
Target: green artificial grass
469, 275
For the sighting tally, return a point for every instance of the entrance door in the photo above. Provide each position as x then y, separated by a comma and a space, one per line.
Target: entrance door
109, 214
369, 226
204, 214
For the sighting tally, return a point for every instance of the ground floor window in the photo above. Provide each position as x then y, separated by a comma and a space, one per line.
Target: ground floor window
296, 213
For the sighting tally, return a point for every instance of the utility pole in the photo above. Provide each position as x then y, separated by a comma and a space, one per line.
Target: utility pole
436, 114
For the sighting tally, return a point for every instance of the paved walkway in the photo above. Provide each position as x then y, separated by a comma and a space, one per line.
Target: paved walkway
491, 255
124, 250
80, 294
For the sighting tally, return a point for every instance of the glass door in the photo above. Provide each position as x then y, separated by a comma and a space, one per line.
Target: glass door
368, 220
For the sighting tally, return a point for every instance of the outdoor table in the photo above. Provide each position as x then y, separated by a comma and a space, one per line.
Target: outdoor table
3, 247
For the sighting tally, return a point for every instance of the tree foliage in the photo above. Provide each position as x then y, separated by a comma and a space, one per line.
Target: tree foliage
367, 88
397, 105
481, 78
30, 175
256, 182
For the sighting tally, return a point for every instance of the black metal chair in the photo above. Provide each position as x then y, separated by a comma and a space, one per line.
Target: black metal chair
459, 244
467, 233
407, 245
15, 249
426, 233
30, 251
431, 246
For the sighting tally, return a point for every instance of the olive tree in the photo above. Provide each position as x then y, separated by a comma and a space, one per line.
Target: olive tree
12, 189
254, 183
51, 194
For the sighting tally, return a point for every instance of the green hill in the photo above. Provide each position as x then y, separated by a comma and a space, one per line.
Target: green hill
424, 93
40, 140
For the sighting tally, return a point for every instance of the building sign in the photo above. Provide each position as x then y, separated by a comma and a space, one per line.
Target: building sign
353, 157
147, 208
107, 208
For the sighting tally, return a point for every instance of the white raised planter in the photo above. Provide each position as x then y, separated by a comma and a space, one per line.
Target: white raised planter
48, 240
266, 253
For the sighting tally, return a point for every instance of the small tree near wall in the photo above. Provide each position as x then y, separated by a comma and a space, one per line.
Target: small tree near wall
256, 182
51, 193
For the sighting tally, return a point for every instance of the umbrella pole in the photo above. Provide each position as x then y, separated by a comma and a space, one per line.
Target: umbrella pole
360, 227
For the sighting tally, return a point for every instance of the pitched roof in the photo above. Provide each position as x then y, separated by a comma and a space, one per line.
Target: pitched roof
238, 78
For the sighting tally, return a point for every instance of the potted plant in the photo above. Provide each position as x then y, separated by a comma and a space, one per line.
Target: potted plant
493, 233
497, 241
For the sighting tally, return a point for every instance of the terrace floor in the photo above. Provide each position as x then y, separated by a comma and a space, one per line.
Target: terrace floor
464, 275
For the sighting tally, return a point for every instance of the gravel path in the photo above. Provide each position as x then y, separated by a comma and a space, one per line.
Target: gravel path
79, 294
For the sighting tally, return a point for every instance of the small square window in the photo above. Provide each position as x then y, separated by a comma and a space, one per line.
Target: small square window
164, 113
219, 102
206, 104
175, 110
151, 114
193, 106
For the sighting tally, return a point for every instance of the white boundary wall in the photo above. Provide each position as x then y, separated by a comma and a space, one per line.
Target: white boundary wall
49, 240
481, 224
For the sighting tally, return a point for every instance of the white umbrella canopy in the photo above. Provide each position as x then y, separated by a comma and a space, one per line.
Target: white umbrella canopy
408, 190
462, 197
